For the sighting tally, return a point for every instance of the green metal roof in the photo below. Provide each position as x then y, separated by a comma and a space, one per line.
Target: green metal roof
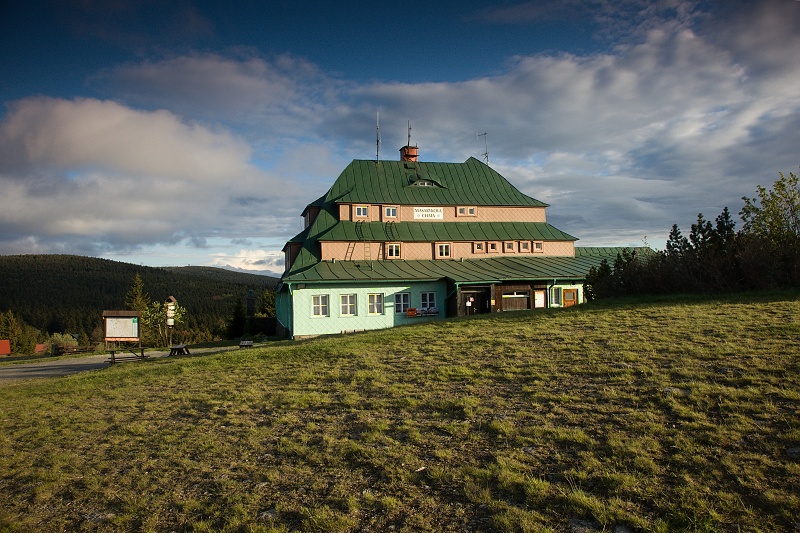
396, 182
443, 231
609, 251
496, 269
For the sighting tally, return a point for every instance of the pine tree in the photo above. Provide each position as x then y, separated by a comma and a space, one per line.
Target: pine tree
724, 232
701, 233
267, 308
137, 299
677, 244
237, 321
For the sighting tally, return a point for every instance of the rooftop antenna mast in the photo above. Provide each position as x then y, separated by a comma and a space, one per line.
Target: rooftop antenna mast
377, 135
486, 146
409, 134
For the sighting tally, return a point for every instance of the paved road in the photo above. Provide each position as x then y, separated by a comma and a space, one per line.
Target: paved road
61, 367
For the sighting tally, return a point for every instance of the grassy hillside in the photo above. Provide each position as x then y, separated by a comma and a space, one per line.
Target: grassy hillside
67, 293
655, 416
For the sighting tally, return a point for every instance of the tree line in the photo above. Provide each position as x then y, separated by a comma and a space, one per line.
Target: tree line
161, 320
44, 295
715, 257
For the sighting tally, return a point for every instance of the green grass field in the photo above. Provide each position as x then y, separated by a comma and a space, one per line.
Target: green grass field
668, 415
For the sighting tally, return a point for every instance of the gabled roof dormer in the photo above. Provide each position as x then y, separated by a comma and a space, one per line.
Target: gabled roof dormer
419, 178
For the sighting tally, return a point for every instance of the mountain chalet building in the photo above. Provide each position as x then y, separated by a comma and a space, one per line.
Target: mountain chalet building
402, 242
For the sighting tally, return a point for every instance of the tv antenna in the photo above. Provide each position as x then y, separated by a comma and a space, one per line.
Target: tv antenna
409, 134
377, 134
485, 145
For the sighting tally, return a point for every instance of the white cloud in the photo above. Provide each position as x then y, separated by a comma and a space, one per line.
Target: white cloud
88, 133
281, 98
249, 259
107, 176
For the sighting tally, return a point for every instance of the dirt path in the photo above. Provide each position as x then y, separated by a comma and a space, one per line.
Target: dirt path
12, 373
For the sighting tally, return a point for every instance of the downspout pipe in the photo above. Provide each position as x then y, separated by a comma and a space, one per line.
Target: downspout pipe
455, 291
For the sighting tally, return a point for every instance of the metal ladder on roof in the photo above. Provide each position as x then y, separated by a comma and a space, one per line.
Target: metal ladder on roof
360, 235
348, 255
389, 229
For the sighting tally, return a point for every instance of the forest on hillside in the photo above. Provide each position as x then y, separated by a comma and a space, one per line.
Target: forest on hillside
68, 294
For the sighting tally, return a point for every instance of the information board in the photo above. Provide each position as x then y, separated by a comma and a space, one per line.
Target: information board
122, 326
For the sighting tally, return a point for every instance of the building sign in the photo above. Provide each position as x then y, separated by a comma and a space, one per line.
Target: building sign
429, 213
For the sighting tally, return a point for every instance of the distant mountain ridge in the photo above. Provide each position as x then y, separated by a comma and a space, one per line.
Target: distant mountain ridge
267, 273
228, 273
68, 293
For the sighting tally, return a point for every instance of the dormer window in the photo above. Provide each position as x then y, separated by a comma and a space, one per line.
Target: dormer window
362, 211
390, 211
417, 177
467, 211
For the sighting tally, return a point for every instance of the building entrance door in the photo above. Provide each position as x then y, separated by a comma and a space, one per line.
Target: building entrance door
570, 297
538, 299
474, 302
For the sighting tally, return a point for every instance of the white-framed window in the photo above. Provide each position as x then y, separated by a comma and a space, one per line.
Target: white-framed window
319, 305
401, 302
390, 211
376, 304
428, 300
442, 250
538, 247
348, 304
362, 211
393, 250
556, 296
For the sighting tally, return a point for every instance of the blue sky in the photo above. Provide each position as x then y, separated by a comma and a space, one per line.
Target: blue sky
194, 133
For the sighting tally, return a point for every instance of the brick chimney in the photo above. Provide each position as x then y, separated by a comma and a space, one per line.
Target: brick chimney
409, 153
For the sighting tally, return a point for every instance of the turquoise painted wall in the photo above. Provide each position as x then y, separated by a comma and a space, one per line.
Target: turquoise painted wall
305, 323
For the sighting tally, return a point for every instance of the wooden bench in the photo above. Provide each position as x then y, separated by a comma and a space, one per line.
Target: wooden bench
179, 349
245, 344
